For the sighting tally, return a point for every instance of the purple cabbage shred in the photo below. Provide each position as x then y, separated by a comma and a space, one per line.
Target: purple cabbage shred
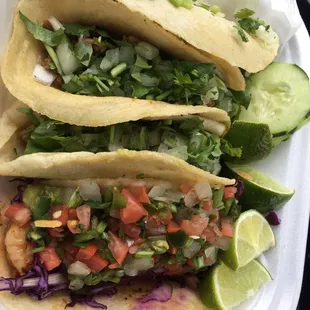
19, 196
85, 300
240, 188
162, 292
272, 218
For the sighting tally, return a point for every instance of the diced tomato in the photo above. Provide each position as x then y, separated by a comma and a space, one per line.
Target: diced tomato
118, 248
56, 232
177, 269
72, 214
229, 192
208, 205
190, 262
50, 258
167, 219
60, 213
185, 188
18, 214
152, 221
227, 226
173, 227
96, 263
114, 265
140, 193
71, 249
131, 230
86, 253
134, 249
209, 235
195, 226
134, 209
69, 259
113, 224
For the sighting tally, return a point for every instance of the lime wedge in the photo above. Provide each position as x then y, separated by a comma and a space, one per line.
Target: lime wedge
254, 139
253, 236
224, 288
260, 192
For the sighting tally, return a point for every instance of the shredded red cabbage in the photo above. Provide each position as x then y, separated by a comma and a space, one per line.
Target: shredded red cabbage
162, 292
37, 283
272, 218
240, 188
85, 300
19, 196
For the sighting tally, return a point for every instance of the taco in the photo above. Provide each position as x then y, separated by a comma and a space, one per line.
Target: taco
106, 242
112, 55
188, 143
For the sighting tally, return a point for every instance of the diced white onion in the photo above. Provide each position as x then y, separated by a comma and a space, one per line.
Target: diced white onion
178, 152
191, 198
129, 242
79, 269
214, 127
223, 242
203, 191
156, 231
89, 190
68, 62
211, 255
191, 251
159, 190
43, 76
133, 266
56, 24
269, 37
113, 147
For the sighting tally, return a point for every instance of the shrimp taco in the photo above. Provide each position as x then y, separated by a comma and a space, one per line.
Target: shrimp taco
104, 56
112, 243
188, 143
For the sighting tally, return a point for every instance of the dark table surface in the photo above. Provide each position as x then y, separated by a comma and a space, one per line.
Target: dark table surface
304, 301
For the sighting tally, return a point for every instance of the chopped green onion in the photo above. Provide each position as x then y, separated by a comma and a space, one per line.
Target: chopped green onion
54, 57
215, 9
199, 262
159, 246
35, 235
86, 236
118, 69
105, 236
108, 195
112, 134
101, 227
119, 201
144, 254
101, 84
37, 250
110, 60
164, 95
61, 252
75, 200
218, 198
140, 176
188, 243
143, 138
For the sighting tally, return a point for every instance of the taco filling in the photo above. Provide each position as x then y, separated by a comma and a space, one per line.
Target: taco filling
86, 240
85, 60
193, 139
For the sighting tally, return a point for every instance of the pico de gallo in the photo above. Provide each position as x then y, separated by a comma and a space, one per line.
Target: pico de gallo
106, 234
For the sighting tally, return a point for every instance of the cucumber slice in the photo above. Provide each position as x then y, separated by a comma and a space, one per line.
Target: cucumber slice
280, 99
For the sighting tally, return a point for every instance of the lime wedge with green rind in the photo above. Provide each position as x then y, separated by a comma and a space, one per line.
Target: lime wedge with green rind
252, 236
224, 288
255, 140
260, 191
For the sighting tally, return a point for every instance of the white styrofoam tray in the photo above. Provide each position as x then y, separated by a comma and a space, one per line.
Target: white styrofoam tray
289, 163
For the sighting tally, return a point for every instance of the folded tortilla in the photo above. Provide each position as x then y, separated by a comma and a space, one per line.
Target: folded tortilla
122, 163
126, 297
195, 35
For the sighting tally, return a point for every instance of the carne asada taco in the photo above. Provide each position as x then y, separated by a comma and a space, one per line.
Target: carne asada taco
184, 146
152, 54
107, 242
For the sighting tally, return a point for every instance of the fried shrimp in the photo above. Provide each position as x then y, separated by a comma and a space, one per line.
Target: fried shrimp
18, 248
